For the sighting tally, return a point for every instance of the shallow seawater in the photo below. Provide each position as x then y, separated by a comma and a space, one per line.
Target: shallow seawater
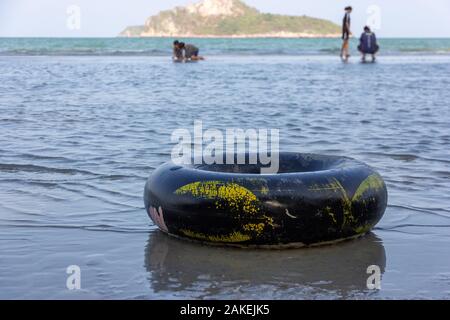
79, 136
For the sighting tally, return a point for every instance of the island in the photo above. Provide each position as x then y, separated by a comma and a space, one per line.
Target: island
230, 19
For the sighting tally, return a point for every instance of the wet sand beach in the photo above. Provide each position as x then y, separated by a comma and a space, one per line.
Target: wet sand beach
79, 136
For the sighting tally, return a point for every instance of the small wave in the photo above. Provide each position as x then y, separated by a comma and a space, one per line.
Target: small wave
12, 120
22, 211
398, 156
102, 199
425, 50
83, 52
31, 156
32, 182
443, 174
97, 188
330, 50
115, 177
410, 225
422, 210
11, 167
99, 227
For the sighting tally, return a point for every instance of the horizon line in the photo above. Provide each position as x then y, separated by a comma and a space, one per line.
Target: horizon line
212, 37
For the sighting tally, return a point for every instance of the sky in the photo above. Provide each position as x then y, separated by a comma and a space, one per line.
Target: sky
106, 18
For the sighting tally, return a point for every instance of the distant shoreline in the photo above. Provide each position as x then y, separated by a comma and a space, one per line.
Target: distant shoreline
246, 36
209, 37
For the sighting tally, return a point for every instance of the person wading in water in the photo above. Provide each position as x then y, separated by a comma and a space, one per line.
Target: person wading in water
346, 33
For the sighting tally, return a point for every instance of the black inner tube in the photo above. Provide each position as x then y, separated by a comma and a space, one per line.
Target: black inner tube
311, 199
288, 163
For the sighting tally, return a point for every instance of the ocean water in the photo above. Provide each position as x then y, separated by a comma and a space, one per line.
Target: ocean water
84, 122
216, 47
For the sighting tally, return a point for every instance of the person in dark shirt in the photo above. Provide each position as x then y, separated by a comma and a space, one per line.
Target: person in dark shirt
190, 52
346, 33
368, 44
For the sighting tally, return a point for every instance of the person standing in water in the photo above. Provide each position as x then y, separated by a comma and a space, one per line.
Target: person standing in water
346, 33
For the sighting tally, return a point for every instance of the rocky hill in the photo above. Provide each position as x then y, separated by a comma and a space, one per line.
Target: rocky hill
229, 18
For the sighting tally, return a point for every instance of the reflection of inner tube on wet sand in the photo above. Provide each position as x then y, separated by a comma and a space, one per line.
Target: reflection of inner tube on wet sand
312, 200
179, 266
